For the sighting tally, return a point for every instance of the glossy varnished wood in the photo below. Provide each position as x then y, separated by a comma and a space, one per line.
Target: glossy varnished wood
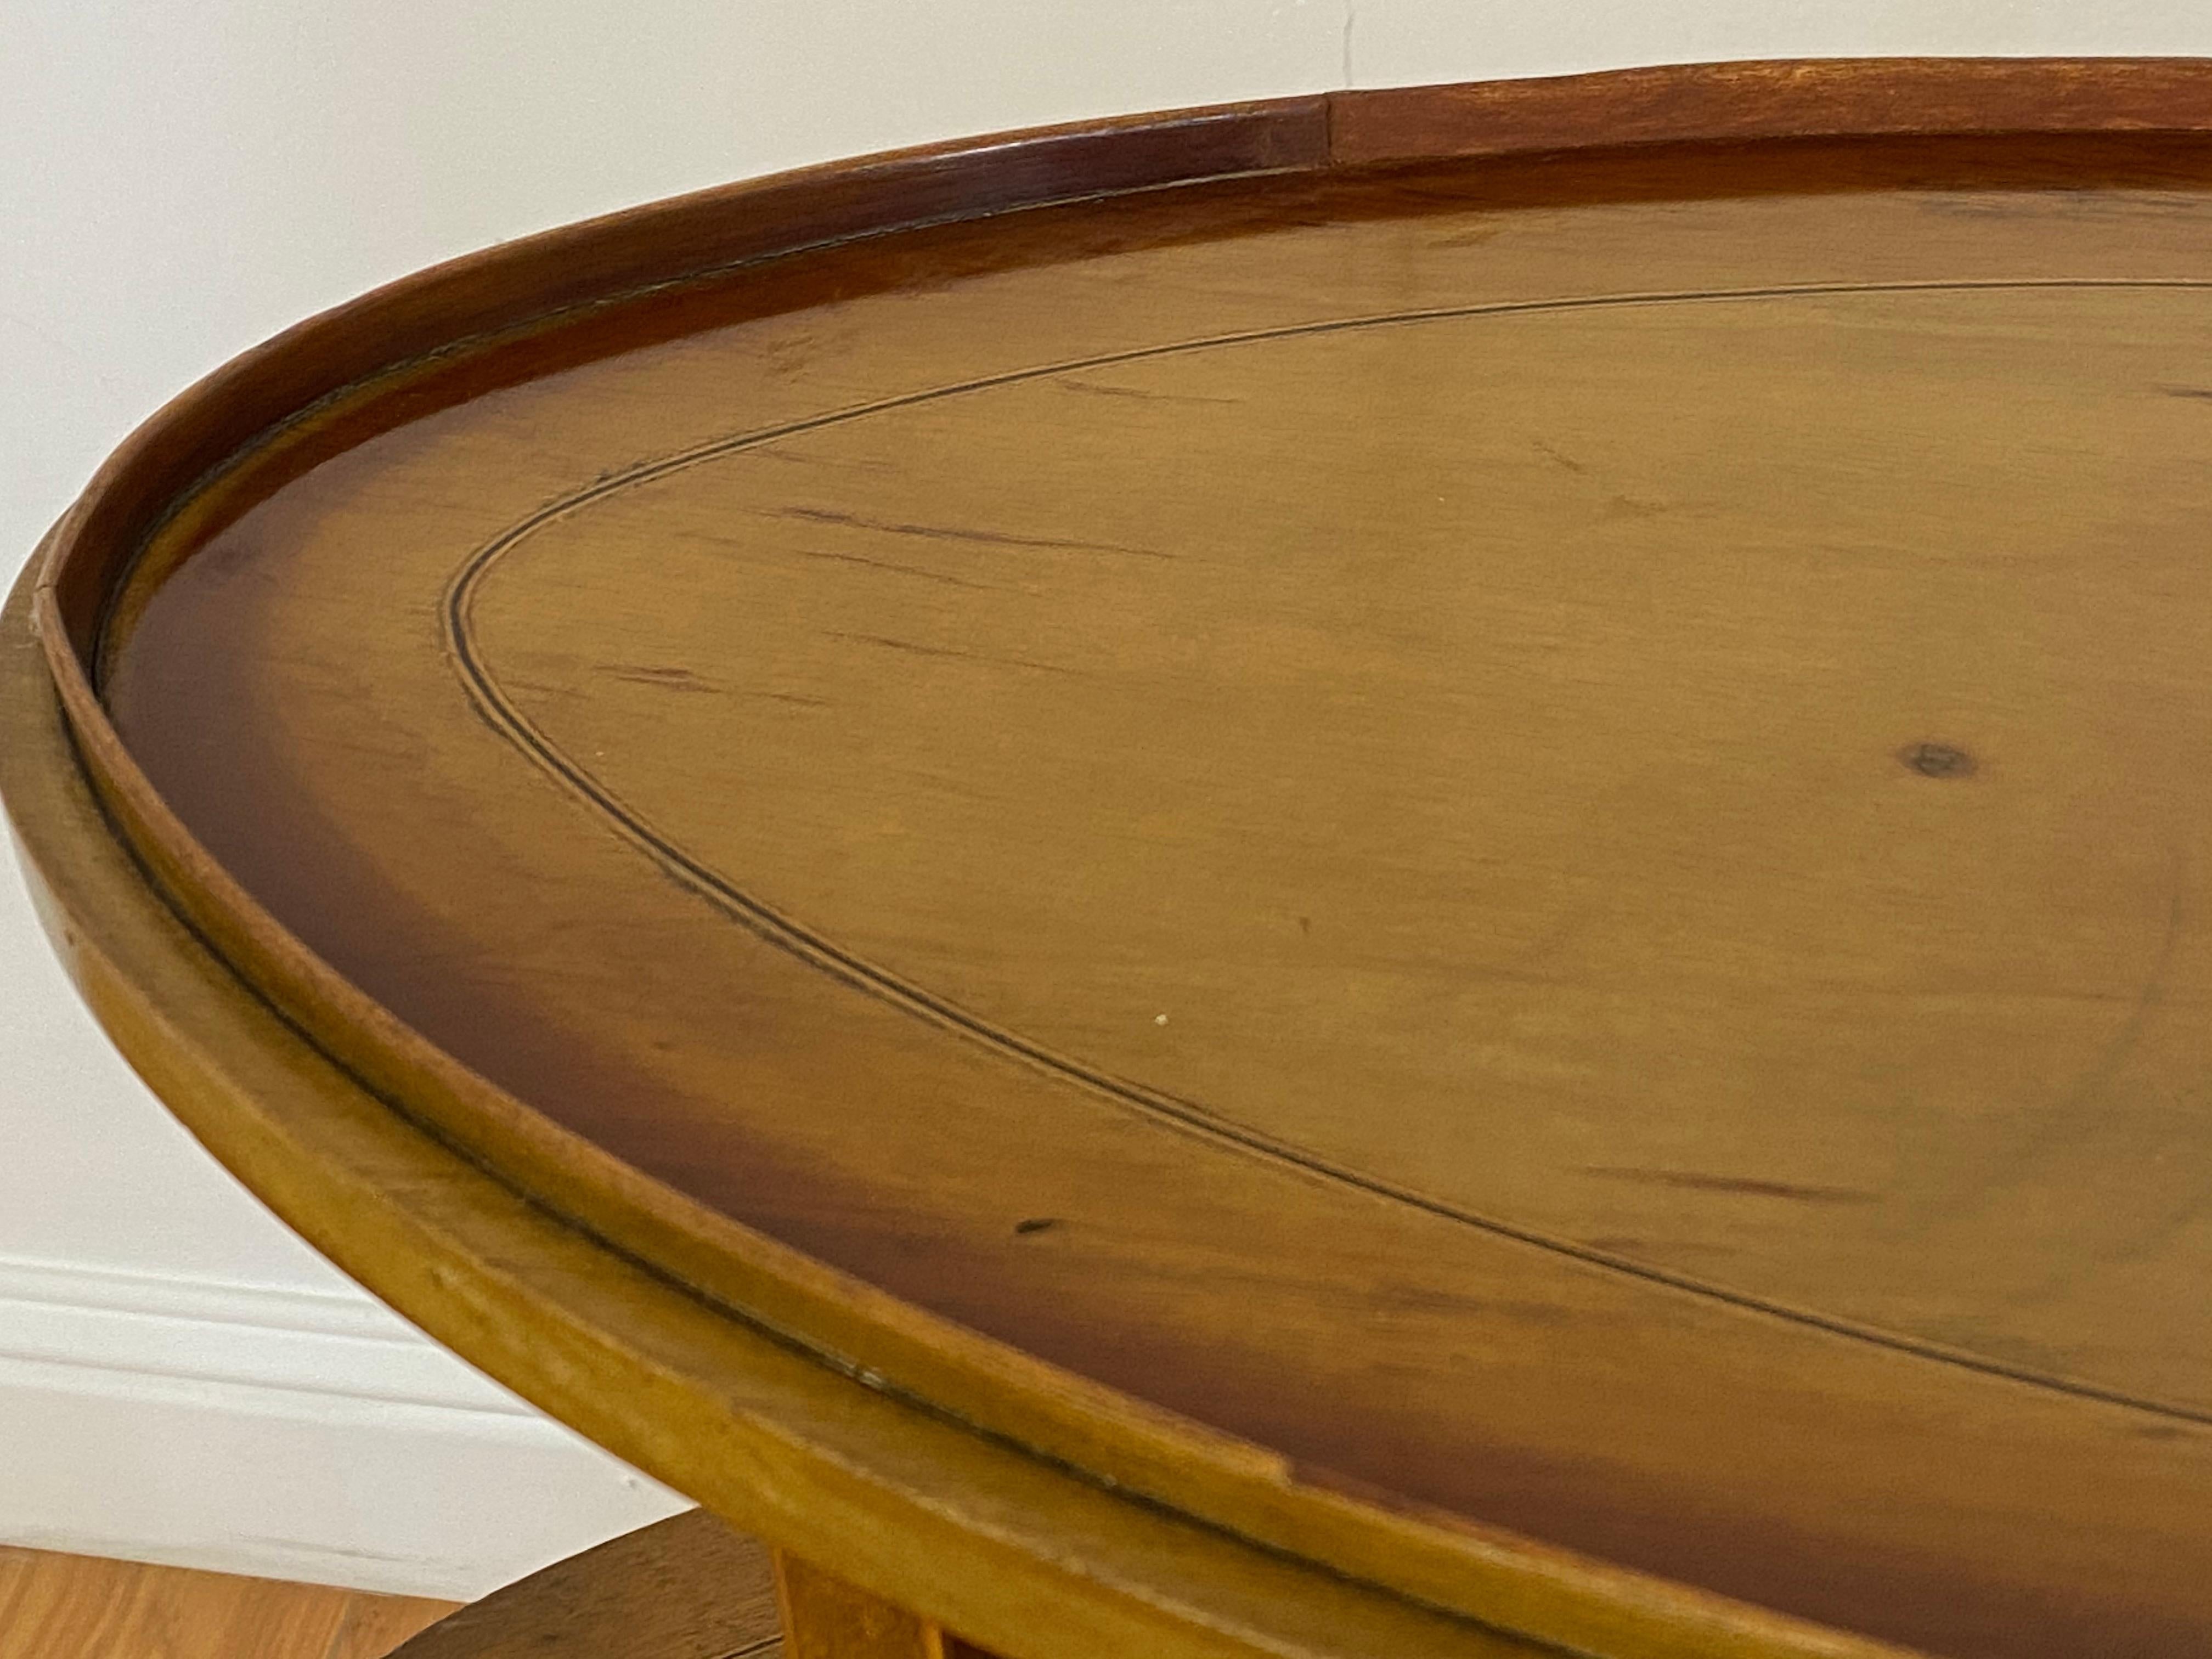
1483, 866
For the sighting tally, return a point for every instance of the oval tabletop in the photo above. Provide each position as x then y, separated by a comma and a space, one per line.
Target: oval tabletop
1471, 830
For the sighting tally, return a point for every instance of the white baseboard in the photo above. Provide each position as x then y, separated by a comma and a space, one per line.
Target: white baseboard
290, 1434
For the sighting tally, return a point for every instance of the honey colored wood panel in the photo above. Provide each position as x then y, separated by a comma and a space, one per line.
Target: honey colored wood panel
825, 1618
75, 1607
1408, 858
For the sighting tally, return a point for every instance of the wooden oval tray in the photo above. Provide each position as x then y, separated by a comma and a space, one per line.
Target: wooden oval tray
1444, 849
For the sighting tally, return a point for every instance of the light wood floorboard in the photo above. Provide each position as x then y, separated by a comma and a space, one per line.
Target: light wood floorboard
77, 1606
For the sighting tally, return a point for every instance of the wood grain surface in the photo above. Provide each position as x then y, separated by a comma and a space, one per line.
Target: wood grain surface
685, 1587
1498, 849
825, 1618
77, 1606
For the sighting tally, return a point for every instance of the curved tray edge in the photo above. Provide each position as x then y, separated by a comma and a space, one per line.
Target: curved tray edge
1550, 1593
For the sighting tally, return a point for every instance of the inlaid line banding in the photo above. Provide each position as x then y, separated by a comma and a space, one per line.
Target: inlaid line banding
787, 933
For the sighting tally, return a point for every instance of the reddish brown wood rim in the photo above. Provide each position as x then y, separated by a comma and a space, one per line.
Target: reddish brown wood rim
1815, 97
1545, 1592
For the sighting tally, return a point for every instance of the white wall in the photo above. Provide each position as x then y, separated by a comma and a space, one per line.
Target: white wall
179, 180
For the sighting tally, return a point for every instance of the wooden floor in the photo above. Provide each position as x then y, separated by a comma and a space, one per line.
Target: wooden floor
78, 1607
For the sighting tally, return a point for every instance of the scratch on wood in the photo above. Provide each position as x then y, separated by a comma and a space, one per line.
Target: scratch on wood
920, 650
1692, 1180
673, 679
1099, 389
892, 565
954, 533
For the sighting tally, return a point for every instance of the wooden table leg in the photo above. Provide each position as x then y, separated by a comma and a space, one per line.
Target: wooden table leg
826, 1618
